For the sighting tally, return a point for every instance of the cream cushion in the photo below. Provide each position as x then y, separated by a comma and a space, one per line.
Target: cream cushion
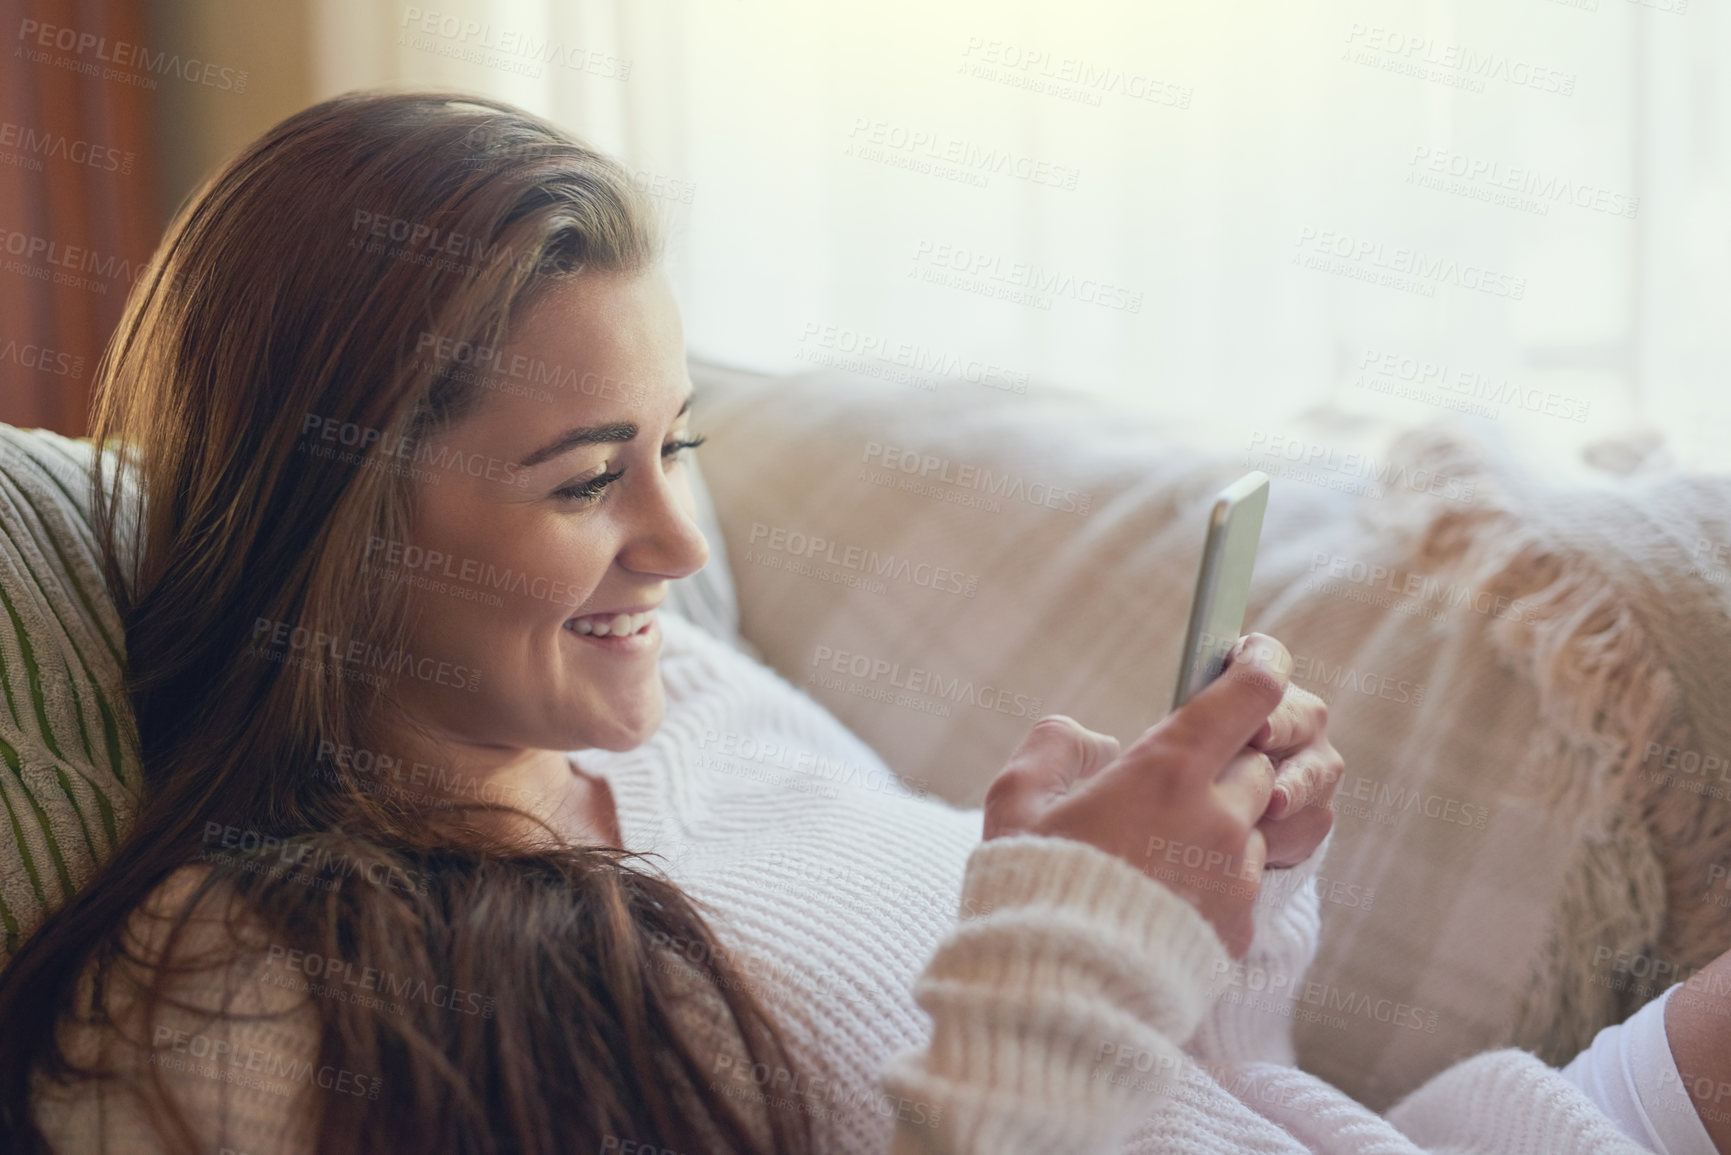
1498, 871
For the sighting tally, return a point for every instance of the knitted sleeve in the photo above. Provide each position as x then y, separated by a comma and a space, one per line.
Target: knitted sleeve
1507, 1100
1252, 1020
1059, 1005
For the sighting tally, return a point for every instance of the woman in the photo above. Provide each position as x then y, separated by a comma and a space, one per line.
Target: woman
406, 394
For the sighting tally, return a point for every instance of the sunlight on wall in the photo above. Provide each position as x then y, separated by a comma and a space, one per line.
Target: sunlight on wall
1511, 214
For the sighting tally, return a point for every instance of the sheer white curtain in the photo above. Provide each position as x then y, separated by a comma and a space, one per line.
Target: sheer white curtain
1512, 211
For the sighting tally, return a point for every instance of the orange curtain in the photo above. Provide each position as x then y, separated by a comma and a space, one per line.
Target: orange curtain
78, 196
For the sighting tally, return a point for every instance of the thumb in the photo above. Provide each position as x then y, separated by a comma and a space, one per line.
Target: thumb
1056, 752
1103, 750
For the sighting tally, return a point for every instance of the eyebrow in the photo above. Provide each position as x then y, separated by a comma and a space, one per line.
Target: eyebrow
590, 435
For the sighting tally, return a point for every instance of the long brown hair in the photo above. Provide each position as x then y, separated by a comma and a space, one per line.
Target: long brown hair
298, 286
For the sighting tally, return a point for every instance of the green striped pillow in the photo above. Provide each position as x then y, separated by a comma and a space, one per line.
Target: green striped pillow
70, 778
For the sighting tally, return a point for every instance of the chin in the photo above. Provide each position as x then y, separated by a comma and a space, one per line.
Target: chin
627, 729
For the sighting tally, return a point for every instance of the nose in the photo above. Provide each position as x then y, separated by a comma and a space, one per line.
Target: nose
664, 539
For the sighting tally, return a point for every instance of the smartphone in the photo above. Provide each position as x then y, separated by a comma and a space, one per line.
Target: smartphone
1222, 583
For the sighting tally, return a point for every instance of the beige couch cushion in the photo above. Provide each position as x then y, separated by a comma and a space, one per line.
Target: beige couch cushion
941, 568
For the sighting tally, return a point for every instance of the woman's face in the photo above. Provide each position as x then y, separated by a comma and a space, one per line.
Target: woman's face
535, 518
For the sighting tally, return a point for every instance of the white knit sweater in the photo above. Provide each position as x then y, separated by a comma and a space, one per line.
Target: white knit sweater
944, 995
941, 995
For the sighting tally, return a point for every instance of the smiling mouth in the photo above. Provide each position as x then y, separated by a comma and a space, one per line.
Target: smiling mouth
610, 625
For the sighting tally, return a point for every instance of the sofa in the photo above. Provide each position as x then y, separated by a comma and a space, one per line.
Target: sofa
1532, 837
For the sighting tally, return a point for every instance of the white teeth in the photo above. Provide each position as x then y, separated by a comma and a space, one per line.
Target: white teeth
616, 626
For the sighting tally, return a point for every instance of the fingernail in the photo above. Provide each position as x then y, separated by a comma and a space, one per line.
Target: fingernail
1268, 654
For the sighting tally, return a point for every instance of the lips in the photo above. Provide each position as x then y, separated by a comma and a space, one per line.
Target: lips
612, 623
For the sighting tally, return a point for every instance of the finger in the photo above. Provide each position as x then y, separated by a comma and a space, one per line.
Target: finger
1303, 780
1255, 856
1293, 787
1056, 751
1242, 934
1224, 715
1103, 750
1292, 840
1299, 719
1033, 774
1244, 786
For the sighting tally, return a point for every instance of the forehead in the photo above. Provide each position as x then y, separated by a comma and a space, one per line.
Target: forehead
603, 346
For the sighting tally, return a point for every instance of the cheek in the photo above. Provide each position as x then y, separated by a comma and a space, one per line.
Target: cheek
481, 621
508, 570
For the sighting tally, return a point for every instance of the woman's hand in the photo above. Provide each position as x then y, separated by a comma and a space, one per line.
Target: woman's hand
1181, 805
1307, 768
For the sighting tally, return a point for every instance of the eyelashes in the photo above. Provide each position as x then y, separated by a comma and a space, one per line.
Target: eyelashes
589, 492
